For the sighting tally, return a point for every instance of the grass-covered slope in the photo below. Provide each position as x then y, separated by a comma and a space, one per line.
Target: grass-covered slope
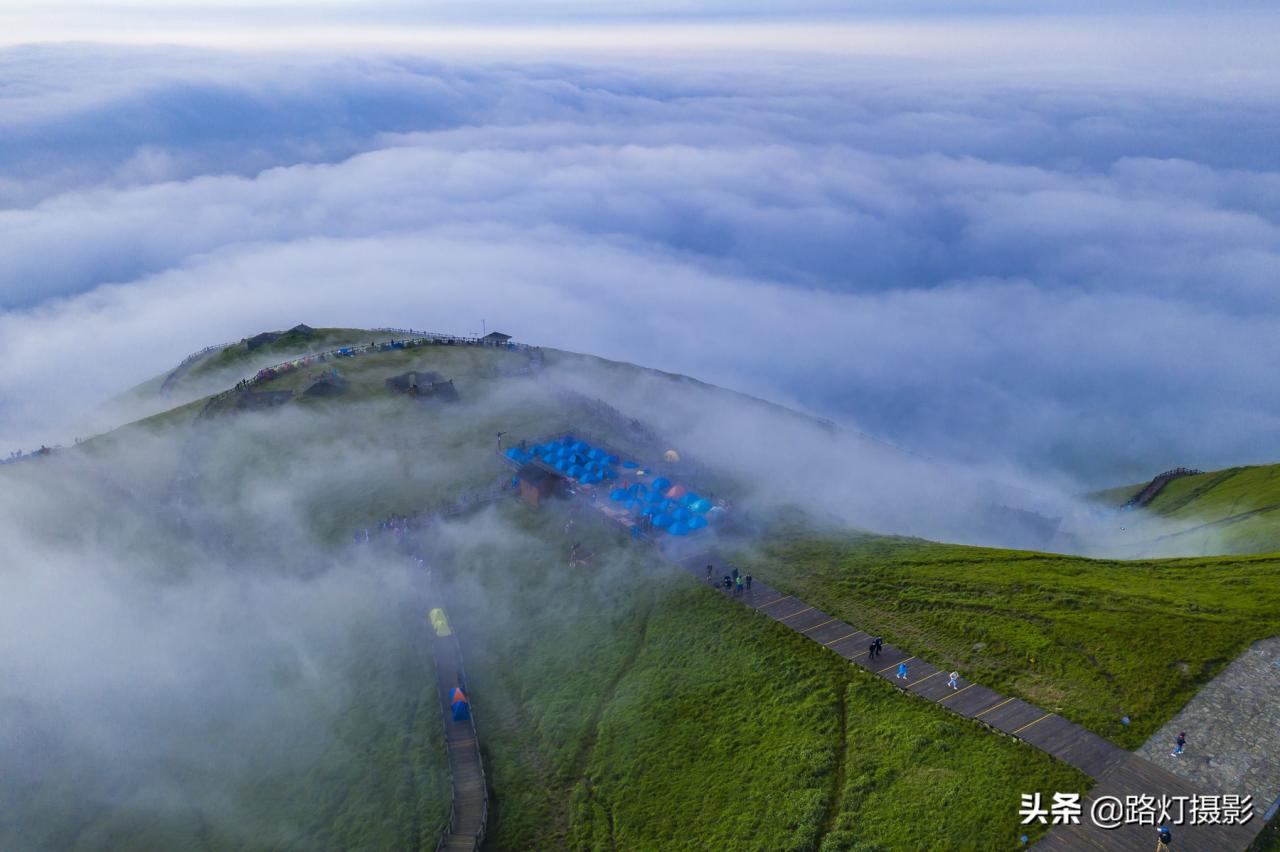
1095, 640
624, 706
1236, 510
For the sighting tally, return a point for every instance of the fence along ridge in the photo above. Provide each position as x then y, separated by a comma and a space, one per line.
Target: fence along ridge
358, 349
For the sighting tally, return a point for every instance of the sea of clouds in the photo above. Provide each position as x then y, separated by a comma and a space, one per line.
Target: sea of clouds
1067, 265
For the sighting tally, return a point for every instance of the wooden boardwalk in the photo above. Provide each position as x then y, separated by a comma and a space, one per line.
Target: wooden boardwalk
1118, 772
470, 810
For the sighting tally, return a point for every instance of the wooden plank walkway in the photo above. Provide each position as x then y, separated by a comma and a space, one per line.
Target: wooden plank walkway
470, 810
1118, 772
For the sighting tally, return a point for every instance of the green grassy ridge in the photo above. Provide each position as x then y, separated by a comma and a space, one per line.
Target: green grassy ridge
623, 705
1094, 640
1235, 510
290, 344
236, 361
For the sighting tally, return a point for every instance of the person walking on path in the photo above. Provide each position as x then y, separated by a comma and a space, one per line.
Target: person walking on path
952, 680
728, 582
1179, 744
738, 585
902, 671
748, 582
708, 570
879, 646
871, 650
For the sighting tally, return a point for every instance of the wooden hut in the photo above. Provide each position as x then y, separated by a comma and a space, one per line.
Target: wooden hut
537, 484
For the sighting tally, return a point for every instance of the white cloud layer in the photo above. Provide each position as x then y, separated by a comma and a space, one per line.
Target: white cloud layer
1051, 268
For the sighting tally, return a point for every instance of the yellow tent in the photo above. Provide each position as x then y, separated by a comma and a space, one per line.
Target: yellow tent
440, 623
671, 456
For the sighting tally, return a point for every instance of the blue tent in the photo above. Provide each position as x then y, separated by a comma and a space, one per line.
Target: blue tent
661, 484
689, 499
681, 514
678, 529
700, 506
562, 465
618, 494
661, 520
697, 522
629, 465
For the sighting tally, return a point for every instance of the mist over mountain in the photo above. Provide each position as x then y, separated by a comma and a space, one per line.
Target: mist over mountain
1061, 270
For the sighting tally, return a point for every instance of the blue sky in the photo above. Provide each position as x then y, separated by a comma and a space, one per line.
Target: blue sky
1047, 240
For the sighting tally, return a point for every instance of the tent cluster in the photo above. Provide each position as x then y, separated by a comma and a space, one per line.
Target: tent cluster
669, 507
577, 460
287, 367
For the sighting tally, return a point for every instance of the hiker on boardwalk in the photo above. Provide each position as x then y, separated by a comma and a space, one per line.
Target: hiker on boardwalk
738, 585
748, 582
953, 680
1179, 744
902, 671
879, 646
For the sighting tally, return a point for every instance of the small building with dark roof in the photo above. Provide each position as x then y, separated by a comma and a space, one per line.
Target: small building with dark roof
423, 385
537, 484
495, 338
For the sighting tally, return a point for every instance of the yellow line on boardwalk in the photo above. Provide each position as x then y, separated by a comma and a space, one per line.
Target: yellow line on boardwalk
772, 602
994, 707
957, 692
926, 677
1029, 724
842, 638
895, 665
816, 626
794, 614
